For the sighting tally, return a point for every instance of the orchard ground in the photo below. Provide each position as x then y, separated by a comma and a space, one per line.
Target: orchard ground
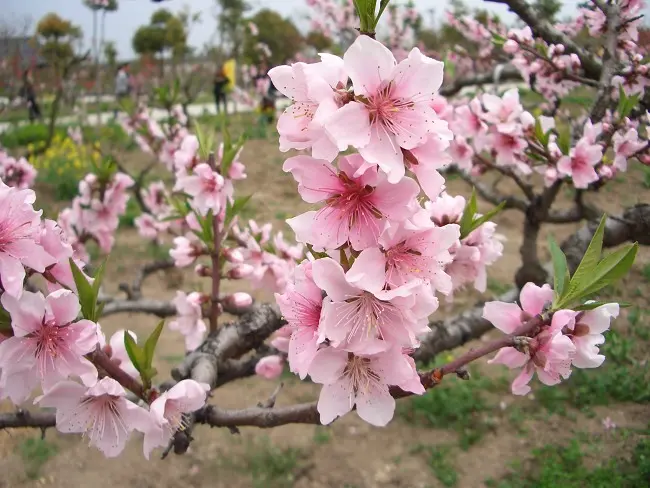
463, 433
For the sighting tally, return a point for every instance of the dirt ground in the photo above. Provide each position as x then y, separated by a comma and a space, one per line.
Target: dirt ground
350, 453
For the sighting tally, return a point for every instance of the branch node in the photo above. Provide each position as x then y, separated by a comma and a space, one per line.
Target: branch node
463, 374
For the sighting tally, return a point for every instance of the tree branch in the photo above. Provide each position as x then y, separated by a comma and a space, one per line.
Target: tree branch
604, 95
507, 73
491, 195
542, 28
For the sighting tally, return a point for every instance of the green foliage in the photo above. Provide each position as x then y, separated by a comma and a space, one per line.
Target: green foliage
470, 221
35, 453
439, 463
88, 292
563, 466
593, 273
458, 406
646, 176
322, 435
142, 357
131, 213
26, 135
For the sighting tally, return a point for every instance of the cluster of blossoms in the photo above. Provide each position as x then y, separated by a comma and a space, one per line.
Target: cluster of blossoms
379, 256
570, 339
16, 172
499, 129
48, 346
95, 212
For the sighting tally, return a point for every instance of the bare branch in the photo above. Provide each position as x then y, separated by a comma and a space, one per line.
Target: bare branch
134, 291
507, 73
491, 195
604, 95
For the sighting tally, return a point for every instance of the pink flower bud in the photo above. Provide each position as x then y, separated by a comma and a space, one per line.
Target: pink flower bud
643, 70
511, 46
233, 255
238, 300
559, 48
202, 270
606, 172
269, 367
240, 271
281, 344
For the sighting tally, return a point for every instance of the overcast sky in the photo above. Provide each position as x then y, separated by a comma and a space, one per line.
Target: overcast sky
121, 25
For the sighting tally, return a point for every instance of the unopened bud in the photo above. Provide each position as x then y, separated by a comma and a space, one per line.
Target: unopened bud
511, 46
643, 69
240, 271
202, 270
233, 255
238, 300
559, 48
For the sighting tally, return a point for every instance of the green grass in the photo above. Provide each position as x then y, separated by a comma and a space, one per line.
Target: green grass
35, 453
132, 212
268, 466
322, 435
646, 273
646, 176
564, 467
457, 405
439, 463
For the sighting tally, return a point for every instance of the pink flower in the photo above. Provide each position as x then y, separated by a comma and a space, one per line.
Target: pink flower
586, 332
508, 317
119, 354
101, 412
204, 186
185, 250
608, 424
359, 315
281, 338
549, 353
150, 228
461, 153
269, 367
167, 411
408, 253
467, 121
186, 156
46, 337
503, 111
19, 236
16, 173
362, 380
301, 305
625, 146
358, 201
579, 165
238, 300
311, 87
393, 101
155, 198
55, 243
189, 321
446, 209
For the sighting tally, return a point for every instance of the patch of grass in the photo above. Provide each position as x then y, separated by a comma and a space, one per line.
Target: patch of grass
438, 460
646, 272
269, 466
173, 358
458, 406
646, 176
35, 453
322, 435
554, 466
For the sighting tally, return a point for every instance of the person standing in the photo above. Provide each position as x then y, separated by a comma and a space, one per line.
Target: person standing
29, 94
219, 87
122, 86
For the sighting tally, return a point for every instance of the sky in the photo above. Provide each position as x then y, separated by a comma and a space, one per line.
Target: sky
121, 25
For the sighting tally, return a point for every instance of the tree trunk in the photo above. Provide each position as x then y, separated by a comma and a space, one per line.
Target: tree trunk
531, 269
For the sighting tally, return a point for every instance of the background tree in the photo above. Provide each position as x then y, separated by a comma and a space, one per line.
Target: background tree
547, 9
165, 34
229, 17
110, 54
318, 40
57, 37
279, 34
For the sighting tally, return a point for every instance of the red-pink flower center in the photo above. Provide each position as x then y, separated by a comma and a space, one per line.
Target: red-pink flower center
359, 373
12, 231
385, 109
49, 339
355, 201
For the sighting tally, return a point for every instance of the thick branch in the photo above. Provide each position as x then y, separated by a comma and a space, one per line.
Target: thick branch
159, 308
491, 195
551, 35
604, 95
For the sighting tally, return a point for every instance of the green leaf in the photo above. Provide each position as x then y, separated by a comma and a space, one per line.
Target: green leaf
476, 223
5, 319
206, 141
581, 277
468, 215
382, 6
87, 297
99, 277
564, 140
150, 345
612, 268
233, 210
589, 306
561, 275
542, 136
498, 40
622, 101
135, 352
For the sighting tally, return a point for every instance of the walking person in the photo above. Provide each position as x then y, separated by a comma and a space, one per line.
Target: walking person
29, 94
219, 87
122, 86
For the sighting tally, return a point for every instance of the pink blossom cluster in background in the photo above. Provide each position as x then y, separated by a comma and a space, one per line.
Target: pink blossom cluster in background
16, 172
50, 346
